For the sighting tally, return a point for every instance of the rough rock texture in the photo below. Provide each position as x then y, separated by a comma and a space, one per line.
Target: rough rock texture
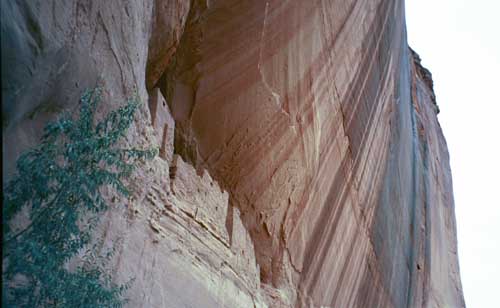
309, 170
163, 124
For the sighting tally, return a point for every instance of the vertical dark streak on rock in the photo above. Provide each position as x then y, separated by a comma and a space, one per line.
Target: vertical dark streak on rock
428, 231
413, 243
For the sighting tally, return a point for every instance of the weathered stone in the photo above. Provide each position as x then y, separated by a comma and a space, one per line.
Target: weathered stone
314, 120
177, 256
242, 247
169, 18
163, 124
200, 198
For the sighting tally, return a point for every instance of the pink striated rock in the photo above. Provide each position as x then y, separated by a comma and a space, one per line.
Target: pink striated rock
310, 169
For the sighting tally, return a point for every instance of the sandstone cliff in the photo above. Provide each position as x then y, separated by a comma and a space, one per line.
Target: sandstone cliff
302, 163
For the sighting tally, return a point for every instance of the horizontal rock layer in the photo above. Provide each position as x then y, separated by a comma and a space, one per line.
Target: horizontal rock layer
301, 162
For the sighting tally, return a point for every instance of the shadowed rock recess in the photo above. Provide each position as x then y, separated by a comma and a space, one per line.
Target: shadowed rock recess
301, 159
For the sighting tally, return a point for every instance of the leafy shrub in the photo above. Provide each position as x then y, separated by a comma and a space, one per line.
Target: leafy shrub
58, 183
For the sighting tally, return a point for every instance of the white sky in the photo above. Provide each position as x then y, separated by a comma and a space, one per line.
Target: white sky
459, 42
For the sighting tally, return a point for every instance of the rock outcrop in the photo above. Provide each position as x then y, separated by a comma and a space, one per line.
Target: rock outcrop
302, 163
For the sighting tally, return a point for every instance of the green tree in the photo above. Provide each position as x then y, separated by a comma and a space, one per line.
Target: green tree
58, 182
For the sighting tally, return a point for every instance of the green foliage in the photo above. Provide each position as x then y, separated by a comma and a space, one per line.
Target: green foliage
58, 184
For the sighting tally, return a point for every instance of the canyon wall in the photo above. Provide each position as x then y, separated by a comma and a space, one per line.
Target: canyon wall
301, 159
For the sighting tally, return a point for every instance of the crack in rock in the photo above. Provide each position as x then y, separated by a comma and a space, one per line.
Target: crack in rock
277, 97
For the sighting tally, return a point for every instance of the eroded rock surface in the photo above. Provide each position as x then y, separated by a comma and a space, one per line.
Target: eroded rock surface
302, 163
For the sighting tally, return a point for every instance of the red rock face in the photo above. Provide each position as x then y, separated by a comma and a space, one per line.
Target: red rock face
305, 112
314, 116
